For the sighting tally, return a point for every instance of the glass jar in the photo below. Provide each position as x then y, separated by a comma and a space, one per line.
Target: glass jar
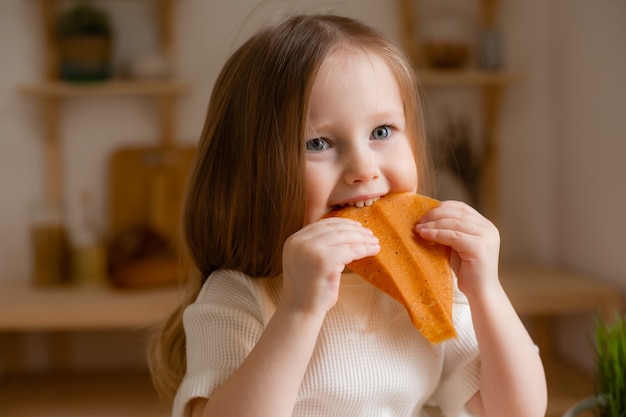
50, 244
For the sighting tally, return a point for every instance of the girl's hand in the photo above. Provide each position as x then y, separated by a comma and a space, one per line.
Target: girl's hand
474, 240
512, 380
315, 256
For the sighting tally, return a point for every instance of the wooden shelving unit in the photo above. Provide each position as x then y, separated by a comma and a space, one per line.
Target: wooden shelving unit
51, 92
58, 311
491, 83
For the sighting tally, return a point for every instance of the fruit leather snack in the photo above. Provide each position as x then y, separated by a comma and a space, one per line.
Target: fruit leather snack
413, 271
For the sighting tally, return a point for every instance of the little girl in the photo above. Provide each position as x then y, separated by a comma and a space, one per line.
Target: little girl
314, 113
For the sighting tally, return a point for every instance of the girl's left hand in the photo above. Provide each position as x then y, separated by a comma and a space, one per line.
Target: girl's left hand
474, 240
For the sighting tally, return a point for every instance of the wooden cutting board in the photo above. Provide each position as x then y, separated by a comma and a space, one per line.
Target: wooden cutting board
147, 187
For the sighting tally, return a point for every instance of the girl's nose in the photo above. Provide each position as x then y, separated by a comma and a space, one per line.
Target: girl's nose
361, 166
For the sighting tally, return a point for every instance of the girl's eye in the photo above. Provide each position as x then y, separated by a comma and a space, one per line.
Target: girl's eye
317, 145
381, 132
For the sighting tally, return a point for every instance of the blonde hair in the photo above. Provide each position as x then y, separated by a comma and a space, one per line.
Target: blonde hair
246, 194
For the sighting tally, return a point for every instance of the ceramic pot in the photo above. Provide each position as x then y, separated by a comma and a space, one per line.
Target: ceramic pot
85, 58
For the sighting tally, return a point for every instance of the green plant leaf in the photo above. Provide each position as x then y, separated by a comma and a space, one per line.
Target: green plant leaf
610, 373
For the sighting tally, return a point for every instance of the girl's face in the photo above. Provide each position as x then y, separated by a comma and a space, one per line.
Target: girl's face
356, 139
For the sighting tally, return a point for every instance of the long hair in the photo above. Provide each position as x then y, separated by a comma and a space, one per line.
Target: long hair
246, 193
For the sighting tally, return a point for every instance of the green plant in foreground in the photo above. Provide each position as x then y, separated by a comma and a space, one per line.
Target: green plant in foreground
611, 368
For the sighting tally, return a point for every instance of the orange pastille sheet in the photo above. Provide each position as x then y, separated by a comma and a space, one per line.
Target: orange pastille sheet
413, 271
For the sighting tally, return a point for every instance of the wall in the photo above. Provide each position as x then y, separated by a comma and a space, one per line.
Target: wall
591, 120
562, 128
590, 89
528, 137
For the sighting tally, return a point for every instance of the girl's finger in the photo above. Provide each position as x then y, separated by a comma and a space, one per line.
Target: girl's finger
461, 225
457, 240
332, 231
450, 209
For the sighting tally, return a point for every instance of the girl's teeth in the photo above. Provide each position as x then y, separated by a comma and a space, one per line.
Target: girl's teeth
365, 203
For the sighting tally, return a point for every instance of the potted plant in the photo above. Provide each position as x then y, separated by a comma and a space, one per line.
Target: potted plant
85, 43
610, 372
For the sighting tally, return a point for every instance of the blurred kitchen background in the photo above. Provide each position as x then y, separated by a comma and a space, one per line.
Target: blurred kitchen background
533, 134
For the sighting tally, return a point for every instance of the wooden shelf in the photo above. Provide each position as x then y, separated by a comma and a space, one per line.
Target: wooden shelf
467, 77
24, 307
79, 395
51, 92
534, 290
61, 310
64, 89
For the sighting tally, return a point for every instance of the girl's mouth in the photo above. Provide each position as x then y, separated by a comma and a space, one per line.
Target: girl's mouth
360, 203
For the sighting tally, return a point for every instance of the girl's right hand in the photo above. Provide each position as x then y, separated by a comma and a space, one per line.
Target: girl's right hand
315, 256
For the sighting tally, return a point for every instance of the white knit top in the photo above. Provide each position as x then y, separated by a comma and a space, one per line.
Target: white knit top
369, 359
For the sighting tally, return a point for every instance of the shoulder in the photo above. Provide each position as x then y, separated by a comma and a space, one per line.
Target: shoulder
225, 284
230, 290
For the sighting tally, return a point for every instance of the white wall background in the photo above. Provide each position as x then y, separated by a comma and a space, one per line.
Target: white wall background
590, 122
563, 129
